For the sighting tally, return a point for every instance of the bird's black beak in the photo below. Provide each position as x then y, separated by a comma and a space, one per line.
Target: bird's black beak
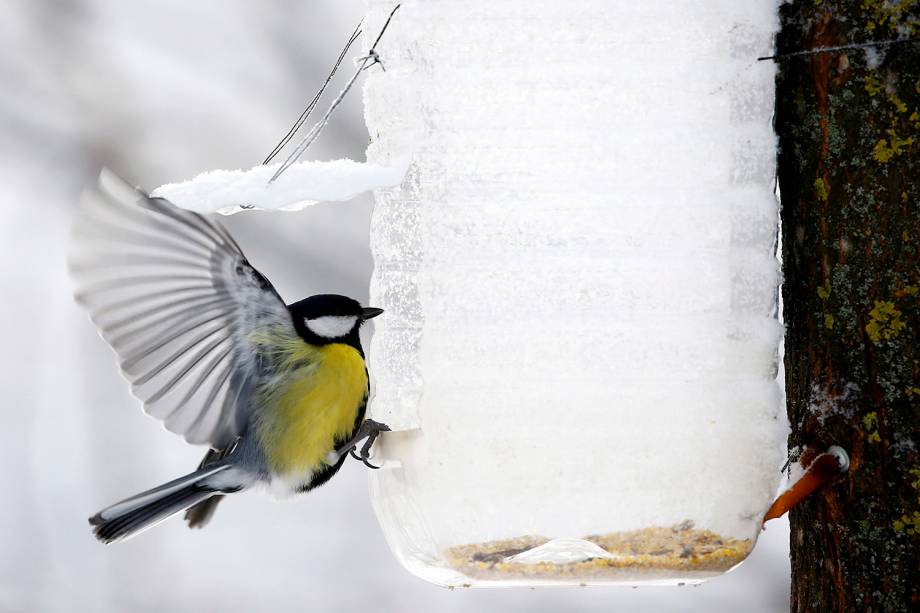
370, 312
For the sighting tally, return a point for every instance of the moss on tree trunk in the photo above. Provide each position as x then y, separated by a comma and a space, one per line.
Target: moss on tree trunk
849, 174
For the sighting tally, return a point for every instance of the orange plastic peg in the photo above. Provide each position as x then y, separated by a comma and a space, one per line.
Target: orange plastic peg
819, 469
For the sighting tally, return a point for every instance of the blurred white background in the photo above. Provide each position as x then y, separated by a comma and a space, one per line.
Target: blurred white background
160, 91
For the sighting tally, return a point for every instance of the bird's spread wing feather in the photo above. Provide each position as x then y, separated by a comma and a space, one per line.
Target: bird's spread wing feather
174, 296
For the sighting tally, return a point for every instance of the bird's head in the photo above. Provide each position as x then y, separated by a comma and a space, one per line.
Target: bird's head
330, 318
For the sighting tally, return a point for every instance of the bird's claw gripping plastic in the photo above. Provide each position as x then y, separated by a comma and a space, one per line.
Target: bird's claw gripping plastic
369, 430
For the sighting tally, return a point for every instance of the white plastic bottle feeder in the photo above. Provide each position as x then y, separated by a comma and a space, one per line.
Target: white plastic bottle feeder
579, 351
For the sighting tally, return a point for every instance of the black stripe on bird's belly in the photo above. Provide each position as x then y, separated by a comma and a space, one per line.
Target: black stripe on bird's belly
328, 472
322, 476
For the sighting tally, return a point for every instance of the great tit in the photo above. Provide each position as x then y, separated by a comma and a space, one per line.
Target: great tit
278, 392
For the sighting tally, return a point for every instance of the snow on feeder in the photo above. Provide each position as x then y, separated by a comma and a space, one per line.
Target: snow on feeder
580, 349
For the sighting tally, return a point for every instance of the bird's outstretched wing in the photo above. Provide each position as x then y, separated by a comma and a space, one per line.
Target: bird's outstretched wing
172, 293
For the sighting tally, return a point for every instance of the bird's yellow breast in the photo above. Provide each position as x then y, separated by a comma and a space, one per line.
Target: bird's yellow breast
309, 406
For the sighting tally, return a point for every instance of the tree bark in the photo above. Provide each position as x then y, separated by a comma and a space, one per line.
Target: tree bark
849, 135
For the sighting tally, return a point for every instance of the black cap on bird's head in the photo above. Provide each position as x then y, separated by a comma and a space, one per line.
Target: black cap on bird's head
330, 318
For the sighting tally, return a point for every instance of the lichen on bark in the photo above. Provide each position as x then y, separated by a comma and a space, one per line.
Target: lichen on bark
849, 176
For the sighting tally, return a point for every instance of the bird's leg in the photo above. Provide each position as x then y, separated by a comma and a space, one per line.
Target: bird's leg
374, 428
369, 430
366, 448
363, 460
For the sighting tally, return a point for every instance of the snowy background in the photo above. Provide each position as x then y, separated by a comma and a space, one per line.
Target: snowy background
161, 91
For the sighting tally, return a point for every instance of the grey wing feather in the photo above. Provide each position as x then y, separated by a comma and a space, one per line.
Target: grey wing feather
172, 293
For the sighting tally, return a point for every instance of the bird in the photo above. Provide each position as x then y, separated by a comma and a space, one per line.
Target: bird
277, 392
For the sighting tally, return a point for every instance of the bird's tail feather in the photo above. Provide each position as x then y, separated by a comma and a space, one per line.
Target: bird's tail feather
200, 514
130, 516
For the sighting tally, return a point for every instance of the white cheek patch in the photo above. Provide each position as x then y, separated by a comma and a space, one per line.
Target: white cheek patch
331, 326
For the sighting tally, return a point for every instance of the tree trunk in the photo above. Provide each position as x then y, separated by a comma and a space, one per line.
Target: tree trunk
849, 174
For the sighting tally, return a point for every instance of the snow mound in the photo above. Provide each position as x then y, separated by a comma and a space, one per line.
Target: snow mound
301, 185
